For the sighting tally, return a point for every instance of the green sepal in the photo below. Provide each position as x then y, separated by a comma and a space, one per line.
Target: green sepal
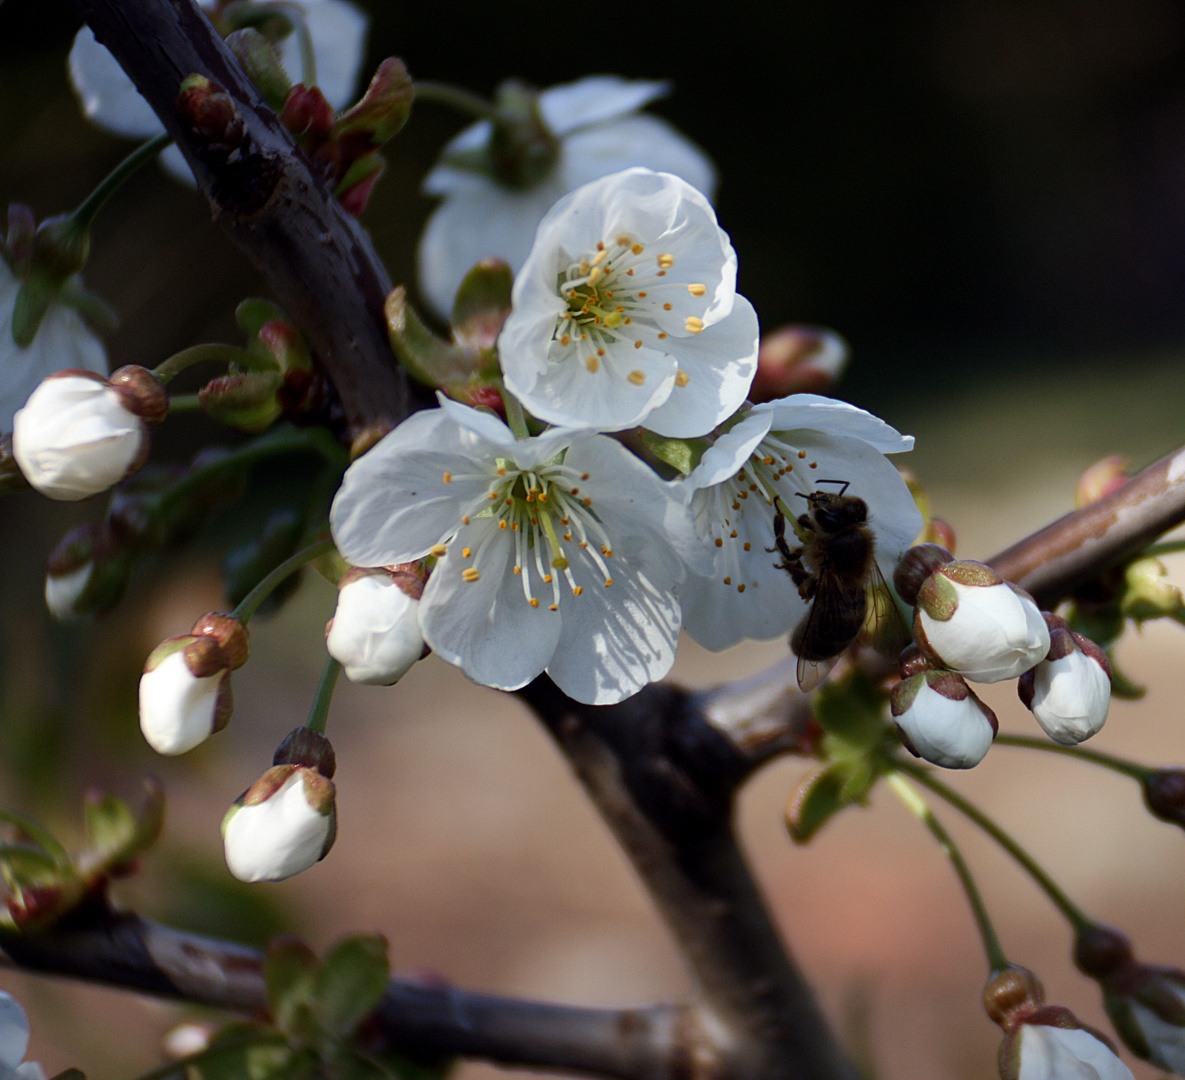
681, 454
38, 834
247, 401
26, 865
352, 981
824, 792
245, 1052
32, 302
252, 313
360, 169
382, 111
260, 61
482, 305
290, 972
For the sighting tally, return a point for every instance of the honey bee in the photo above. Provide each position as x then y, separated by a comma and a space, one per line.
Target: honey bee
835, 570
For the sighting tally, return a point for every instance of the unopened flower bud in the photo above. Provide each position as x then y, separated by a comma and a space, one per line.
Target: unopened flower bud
798, 360
79, 433
375, 631
304, 746
14, 1041
1164, 795
1069, 692
1102, 478
941, 719
974, 622
87, 573
1147, 592
916, 565
283, 824
185, 693
1045, 1042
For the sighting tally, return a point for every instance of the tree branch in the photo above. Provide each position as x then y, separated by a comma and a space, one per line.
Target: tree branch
664, 779
268, 199
423, 1021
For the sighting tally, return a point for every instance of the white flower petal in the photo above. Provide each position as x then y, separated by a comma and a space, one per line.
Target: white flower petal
595, 99
837, 418
106, 94
338, 30
1071, 696
486, 626
718, 367
177, 708
63, 340
953, 734
1050, 1053
375, 633
277, 838
1166, 1042
14, 1031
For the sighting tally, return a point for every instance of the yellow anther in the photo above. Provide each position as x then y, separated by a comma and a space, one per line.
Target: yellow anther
533, 602
546, 579
518, 570
662, 336
577, 590
591, 362
666, 261
566, 339
746, 545
595, 275
470, 573
637, 344
728, 581
612, 320
464, 519
682, 378
439, 550
666, 307
802, 453
693, 325
719, 542
637, 249
553, 607
466, 552
502, 524
642, 296
600, 255
448, 477
608, 582
606, 551
740, 588
637, 377
697, 289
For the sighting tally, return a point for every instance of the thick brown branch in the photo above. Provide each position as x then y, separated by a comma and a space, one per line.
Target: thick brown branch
1079, 546
419, 1020
664, 779
268, 199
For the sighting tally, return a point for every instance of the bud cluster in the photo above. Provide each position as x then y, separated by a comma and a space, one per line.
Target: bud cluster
971, 624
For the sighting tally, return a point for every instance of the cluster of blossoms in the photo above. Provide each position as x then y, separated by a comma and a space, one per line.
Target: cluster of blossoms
971, 624
564, 552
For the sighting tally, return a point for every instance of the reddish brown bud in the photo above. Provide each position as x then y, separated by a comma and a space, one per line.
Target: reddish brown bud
229, 632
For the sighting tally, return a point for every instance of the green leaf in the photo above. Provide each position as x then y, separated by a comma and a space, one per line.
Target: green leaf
38, 834
352, 981
852, 712
823, 793
109, 824
290, 972
23, 865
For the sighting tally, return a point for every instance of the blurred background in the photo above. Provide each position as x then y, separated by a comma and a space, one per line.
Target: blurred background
986, 198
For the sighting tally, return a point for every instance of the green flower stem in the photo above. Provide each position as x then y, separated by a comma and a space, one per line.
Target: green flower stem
1128, 768
456, 98
319, 713
248, 605
281, 441
1165, 547
516, 419
996, 959
81, 219
184, 403
197, 354
1064, 904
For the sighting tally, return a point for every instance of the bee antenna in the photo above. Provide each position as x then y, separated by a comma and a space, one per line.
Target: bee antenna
844, 484
803, 495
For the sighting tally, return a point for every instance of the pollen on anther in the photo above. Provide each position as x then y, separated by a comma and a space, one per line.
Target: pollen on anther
801, 453
464, 519
693, 325
606, 551
439, 550
637, 344
502, 524
719, 542
747, 546
600, 352
546, 579
767, 460
637, 249
585, 475
814, 464
697, 289
448, 478
728, 581
553, 607
501, 470
470, 573
666, 307
733, 535
566, 339
662, 336
637, 377
491, 494
641, 296
600, 245
592, 363
577, 590
682, 378
740, 588
608, 582
466, 552
630, 272
518, 571
666, 261
533, 602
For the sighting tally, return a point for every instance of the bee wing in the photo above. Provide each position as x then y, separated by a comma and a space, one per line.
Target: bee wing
884, 628
830, 626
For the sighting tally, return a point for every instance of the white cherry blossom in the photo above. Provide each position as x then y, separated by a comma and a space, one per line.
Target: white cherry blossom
63, 340
785, 449
626, 312
14, 1041
943, 720
1044, 1052
375, 630
108, 98
559, 553
599, 132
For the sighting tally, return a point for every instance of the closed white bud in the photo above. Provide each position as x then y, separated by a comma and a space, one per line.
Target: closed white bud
80, 434
1045, 1052
375, 631
942, 720
283, 824
972, 621
1069, 692
63, 591
14, 1041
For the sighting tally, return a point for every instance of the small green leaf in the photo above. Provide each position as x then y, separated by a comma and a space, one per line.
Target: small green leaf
428, 358
352, 981
37, 833
824, 792
290, 973
109, 825
24, 865
251, 314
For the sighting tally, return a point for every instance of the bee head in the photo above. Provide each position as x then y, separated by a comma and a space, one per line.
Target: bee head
833, 512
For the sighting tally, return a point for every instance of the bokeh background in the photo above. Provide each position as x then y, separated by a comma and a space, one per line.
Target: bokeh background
986, 198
